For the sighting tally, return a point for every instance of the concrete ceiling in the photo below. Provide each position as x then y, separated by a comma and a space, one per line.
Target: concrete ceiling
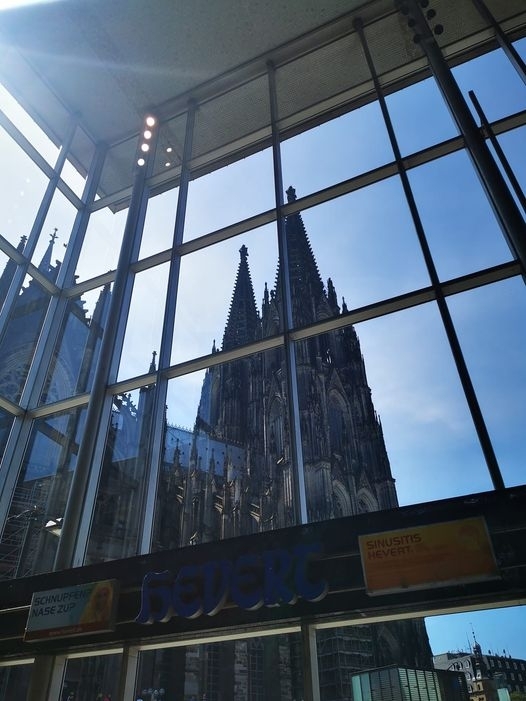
111, 61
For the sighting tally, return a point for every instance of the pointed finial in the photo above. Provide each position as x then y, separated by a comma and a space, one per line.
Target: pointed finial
152, 364
54, 236
214, 350
243, 251
291, 194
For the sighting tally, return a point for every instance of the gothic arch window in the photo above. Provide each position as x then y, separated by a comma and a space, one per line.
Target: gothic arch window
388, 647
275, 438
338, 422
342, 501
366, 502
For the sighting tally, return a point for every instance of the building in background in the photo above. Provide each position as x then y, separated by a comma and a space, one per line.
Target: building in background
487, 675
161, 145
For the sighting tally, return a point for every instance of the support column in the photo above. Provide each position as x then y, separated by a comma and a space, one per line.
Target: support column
120, 298
311, 680
299, 487
502, 202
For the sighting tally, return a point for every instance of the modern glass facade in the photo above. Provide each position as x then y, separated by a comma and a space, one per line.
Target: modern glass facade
317, 316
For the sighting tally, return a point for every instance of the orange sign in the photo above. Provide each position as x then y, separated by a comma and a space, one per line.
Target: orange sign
435, 555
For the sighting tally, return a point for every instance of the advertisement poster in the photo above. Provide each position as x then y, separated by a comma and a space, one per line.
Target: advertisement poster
440, 554
60, 613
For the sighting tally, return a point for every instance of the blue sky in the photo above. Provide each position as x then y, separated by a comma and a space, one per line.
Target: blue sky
366, 243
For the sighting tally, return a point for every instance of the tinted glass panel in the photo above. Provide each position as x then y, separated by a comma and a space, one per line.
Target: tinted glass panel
221, 292
40, 496
102, 241
117, 518
383, 401
21, 333
492, 332
420, 117
91, 678
352, 251
77, 349
159, 224
233, 193
145, 318
22, 186
255, 669
461, 228
495, 82
27, 126
337, 150
56, 230
229, 471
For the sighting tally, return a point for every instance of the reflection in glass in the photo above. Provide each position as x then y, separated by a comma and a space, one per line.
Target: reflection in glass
40, 495
236, 192
232, 473
356, 239
22, 330
337, 150
492, 333
461, 229
343, 652
14, 681
6, 421
77, 350
145, 318
420, 117
116, 521
91, 678
22, 190
211, 293
100, 251
253, 669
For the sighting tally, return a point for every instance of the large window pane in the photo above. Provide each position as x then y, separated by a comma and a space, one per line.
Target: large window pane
383, 402
91, 678
492, 332
144, 326
22, 185
254, 669
159, 223
27, 126
21, 333
77, 350
495, 82
117, 518
420, 117
346, 651
57, 226
461, 228
220, 292
230, 472
102, 241
364, 243
14, 681
337, 150
230, 194
40, 495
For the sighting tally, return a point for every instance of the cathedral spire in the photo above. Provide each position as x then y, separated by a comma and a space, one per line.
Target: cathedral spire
45, 264
243, 319
305, 278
